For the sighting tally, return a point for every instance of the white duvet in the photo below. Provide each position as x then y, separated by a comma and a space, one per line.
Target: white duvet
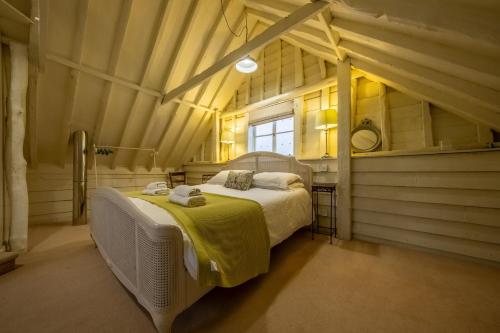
285, 212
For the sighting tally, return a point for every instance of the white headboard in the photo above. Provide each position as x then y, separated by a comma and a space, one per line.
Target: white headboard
262, 161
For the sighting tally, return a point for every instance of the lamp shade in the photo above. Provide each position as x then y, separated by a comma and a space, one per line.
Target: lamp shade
326, 119
227, 137
246, 65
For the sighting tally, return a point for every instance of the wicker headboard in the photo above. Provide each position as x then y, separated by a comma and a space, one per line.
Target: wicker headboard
262, 161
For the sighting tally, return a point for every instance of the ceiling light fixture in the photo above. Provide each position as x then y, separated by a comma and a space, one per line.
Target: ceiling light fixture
246, 64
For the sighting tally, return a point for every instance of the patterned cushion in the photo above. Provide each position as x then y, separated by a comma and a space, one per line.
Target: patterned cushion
239, 180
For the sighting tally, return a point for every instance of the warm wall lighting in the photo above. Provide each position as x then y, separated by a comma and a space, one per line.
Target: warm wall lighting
227, 137
326, 119
246, 65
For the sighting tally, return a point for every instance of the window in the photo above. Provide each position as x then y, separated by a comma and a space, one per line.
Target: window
275, 136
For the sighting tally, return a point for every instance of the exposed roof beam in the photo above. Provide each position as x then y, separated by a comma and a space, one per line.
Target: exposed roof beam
193, 70
459, 106
416, 13
325, 17
113, 65
104, 76
468, 66
180, 40
312, 48
284, 25
280, 8
300, 91
202, 132
486, 97
154, 49
74, 80
315, 35
223, 50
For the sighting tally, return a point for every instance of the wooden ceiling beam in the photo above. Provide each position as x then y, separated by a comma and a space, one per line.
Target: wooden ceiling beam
74, 80
467, 65
121, 30
460, 106
481, 95
201, 133
180, 40
325, 17
274, 32
422, 14
280, 8
151, 56
222, 51
316, 35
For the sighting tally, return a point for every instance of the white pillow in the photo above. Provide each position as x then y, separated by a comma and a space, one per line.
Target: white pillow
275, 180
221, 177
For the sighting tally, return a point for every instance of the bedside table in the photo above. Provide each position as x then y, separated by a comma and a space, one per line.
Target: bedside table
324, 188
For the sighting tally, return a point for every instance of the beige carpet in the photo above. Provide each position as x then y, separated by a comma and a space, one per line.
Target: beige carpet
63, 285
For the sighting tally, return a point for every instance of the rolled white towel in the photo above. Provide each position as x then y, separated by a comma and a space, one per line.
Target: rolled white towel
194, 201
156, 191
157, 185
187, 191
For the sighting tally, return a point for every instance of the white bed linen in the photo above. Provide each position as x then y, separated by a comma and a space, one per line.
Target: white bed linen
285, 212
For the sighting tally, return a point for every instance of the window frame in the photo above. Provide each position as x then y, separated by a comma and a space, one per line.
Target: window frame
254, 136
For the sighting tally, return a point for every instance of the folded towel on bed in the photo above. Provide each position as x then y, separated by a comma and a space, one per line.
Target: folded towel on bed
156, 185
194, 201
156, 191
187, 191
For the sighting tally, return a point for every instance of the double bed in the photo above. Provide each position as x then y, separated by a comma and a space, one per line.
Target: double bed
155, 259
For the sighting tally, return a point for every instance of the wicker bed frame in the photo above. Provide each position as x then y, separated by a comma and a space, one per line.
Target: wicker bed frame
148, 258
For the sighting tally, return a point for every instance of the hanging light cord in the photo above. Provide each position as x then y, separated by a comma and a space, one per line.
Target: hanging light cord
245, 27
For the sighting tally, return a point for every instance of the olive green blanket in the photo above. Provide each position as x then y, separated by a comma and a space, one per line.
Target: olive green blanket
230, 231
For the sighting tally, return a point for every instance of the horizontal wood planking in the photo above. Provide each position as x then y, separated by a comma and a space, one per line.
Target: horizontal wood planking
447, 162
431, 226
459, 246
475, 215
477, 198
447, 202
50, 189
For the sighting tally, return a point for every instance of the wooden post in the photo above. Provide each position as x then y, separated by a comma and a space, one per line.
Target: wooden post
298, 67
344, 150
354, 101
298, 109
216, 137
427, 125
385, 117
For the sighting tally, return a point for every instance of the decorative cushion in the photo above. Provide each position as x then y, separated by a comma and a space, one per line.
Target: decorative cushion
221, 177
239, 180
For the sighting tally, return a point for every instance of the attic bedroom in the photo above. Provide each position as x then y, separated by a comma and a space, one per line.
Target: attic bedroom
250, 166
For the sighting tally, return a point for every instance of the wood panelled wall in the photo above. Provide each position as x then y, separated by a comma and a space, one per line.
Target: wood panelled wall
50, 189
447, 202
418, 189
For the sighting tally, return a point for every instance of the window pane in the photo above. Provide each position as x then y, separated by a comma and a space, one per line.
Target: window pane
264, 129
284, 143
264, 143
284, 125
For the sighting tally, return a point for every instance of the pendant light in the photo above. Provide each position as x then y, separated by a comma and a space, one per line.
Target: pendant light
246, 64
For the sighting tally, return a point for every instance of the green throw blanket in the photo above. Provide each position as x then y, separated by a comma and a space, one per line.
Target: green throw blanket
230, 231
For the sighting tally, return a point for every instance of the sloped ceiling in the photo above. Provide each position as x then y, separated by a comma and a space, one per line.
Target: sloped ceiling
108, 62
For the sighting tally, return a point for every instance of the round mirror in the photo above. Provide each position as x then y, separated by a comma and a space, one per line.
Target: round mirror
365, 137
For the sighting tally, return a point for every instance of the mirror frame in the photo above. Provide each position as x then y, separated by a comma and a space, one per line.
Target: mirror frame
366, 124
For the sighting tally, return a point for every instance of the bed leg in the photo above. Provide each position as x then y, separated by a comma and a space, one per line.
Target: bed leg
163, 322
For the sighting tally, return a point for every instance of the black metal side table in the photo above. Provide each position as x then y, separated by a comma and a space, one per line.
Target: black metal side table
324, 188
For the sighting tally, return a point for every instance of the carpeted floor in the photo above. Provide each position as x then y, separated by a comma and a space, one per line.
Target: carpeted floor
63, 285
